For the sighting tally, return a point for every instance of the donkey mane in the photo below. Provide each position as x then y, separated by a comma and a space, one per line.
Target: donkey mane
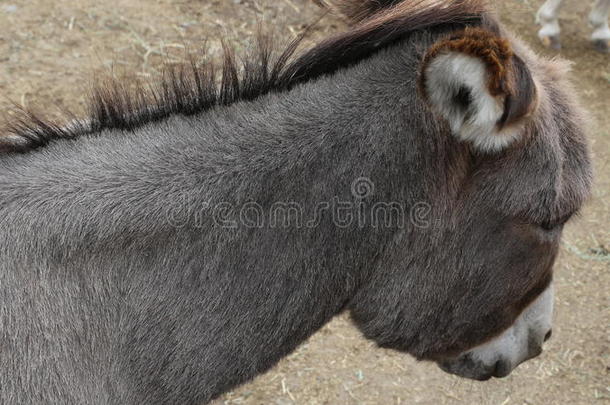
190, 89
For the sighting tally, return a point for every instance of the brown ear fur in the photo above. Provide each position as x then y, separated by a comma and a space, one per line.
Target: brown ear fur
494, 51
508, 74
356, 10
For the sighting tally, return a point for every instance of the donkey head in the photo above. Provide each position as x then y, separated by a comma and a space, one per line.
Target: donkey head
489, 98
474, 292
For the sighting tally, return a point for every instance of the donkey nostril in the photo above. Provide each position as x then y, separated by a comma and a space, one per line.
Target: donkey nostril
548, 335
501, 369
535, 351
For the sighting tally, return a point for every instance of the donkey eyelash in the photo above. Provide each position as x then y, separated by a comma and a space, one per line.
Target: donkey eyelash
560, 221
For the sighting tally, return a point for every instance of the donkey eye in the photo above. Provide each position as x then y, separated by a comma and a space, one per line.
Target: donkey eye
555, 223
550, 226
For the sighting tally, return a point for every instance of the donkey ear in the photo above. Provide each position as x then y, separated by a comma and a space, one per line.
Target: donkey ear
475, 82
356, 10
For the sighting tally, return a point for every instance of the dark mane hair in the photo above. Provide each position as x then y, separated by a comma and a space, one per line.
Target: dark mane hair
191, 89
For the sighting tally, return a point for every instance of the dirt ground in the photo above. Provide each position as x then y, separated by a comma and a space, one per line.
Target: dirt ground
50, 51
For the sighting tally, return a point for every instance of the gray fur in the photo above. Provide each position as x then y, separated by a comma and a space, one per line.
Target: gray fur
106, 301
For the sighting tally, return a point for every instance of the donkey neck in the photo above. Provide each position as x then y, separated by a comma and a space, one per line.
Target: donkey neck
159, 209
308, 146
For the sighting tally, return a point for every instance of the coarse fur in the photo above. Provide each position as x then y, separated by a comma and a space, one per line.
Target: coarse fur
144, 260
192, 88
357, 11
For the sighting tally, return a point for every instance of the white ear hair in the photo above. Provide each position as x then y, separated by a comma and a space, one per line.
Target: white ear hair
456, 86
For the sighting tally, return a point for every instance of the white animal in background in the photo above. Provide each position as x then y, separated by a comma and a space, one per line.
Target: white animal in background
547, 17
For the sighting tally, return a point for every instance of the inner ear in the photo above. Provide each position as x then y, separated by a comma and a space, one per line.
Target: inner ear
483, 91
463, 98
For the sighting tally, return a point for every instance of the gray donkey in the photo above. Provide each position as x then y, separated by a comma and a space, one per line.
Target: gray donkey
414, 171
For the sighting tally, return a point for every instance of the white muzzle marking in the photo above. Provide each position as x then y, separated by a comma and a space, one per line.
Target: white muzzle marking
522, 341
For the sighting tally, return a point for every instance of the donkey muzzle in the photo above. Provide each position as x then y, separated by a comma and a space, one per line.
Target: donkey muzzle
501, 355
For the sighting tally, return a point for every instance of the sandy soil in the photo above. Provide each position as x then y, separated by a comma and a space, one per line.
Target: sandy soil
50, 51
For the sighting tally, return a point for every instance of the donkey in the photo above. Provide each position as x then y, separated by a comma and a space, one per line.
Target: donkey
144, 259
548, 15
